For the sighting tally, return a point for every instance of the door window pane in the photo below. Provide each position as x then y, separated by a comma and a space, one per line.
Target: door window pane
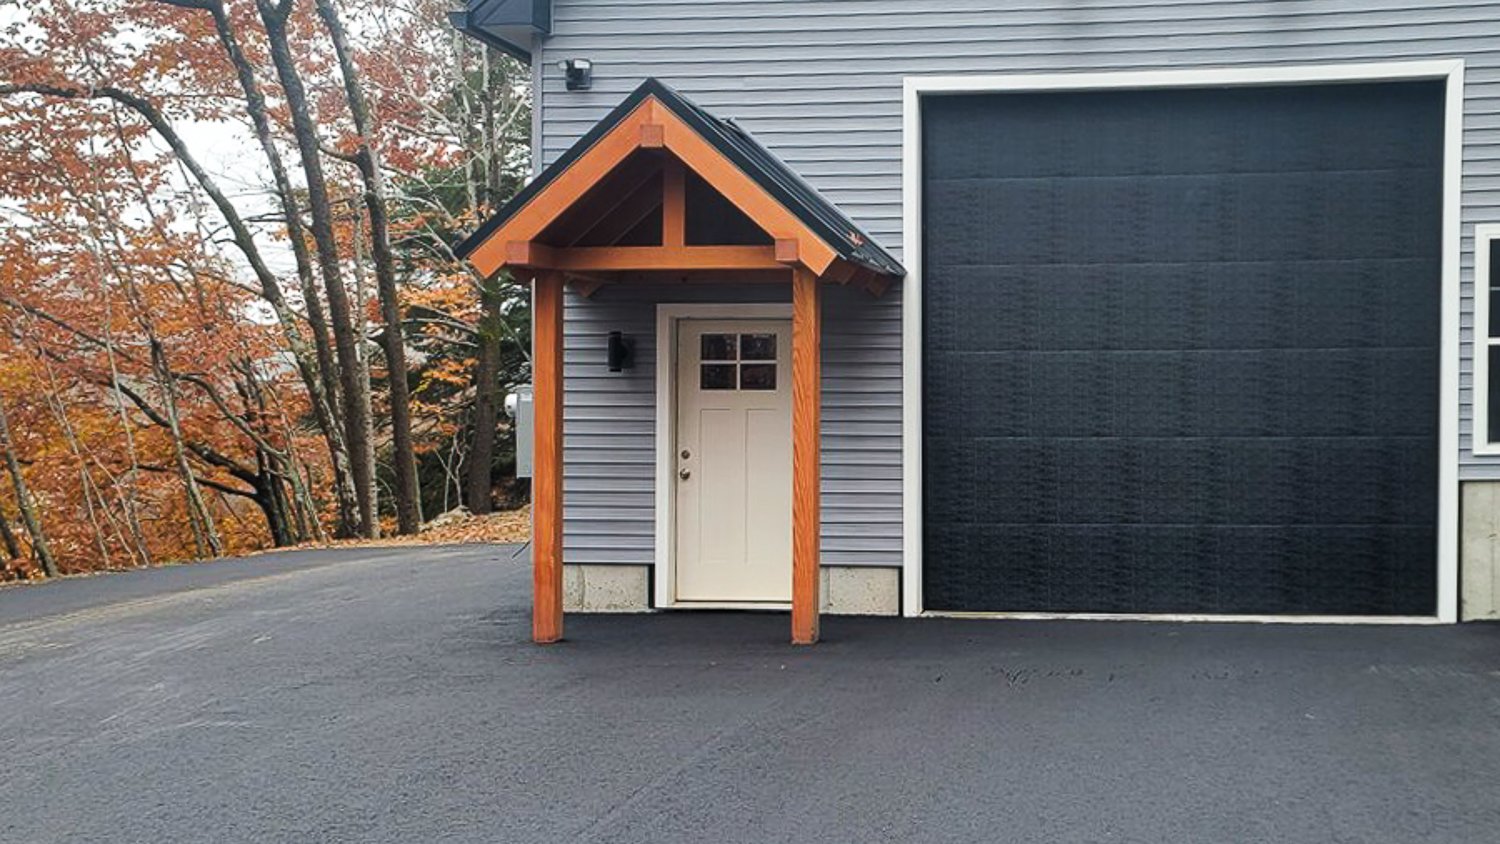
717, 347
716, 376
757, 347
757, 376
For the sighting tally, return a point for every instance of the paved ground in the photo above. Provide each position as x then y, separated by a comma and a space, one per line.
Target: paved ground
391, 696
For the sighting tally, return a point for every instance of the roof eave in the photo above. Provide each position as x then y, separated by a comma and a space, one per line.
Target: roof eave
463, 21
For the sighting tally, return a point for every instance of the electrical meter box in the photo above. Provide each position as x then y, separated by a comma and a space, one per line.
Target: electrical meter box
518, 408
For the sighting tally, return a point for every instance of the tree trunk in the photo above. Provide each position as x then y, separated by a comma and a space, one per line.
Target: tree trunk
205, 535
361, 302
323, 386
358, 423
273, 465
88, 489
8, 537
408, 512
271, 498
490, 337
467, 132
94, 503
131, 491
39, 546
486, 398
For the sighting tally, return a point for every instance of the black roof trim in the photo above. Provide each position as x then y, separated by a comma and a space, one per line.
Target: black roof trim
463, 23
797, 196
510, 26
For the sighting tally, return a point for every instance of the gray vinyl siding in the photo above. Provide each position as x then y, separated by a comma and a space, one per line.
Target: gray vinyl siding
609, 463
819, 82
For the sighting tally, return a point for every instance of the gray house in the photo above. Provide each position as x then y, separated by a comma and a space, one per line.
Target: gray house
1094, 308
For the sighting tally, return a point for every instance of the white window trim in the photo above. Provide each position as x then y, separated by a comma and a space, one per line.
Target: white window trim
916, 87
664, 571
1483, 235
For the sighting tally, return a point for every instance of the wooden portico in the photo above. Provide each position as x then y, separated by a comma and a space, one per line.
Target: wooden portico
658, 191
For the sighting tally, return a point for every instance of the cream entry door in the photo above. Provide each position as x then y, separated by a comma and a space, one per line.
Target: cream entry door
734, 460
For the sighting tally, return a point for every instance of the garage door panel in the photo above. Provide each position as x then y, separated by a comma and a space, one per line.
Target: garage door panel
1290, 482
1168, 569
1325, 571
957, 493
1181, 350
1210, 217
1354, 303
1245, 481
1197, 132
1273, 393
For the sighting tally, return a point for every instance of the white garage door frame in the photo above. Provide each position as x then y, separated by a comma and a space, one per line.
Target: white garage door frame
916, 87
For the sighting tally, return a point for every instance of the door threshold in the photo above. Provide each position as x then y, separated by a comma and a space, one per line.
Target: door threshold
729, 605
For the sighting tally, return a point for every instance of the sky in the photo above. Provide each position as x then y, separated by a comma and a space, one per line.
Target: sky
231, 155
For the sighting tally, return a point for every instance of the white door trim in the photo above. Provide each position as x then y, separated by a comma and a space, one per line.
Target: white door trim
667, 317
916, 87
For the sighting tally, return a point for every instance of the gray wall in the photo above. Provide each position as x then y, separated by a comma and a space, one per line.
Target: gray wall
609, 422
819, 82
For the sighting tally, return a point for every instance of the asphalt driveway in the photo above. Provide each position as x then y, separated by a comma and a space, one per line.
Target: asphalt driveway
391, 695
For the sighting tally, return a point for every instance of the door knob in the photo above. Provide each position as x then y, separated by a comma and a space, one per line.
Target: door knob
684, 474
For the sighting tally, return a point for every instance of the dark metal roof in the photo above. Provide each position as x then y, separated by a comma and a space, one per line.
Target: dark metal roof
513, 26
768, 171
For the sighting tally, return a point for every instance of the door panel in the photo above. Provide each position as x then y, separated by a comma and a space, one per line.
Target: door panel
733, 461
1181, 350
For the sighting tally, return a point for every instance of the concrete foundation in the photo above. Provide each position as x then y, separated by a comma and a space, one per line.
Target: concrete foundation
860, 590
1479, 551
606, 589
844, 590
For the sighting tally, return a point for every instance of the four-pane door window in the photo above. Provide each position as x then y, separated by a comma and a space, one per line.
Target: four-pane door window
737, 362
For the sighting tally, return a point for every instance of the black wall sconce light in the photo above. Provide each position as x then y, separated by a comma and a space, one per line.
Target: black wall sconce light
578, 73
621, 352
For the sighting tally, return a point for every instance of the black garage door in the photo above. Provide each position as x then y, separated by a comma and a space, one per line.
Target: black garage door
1181, 350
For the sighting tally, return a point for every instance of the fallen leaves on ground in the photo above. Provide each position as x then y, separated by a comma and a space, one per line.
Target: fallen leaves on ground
456, 527
509, 526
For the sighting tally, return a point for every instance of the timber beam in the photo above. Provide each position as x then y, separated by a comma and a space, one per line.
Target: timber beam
604, 259
807, 400
547, 460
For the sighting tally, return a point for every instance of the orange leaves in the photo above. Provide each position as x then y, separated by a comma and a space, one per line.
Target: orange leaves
123, 288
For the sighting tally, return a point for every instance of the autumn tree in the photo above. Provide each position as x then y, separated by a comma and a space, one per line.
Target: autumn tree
196, 325
29, 516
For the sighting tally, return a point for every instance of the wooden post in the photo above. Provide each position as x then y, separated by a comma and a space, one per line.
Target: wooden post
674, 205
807, 393
547, 468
